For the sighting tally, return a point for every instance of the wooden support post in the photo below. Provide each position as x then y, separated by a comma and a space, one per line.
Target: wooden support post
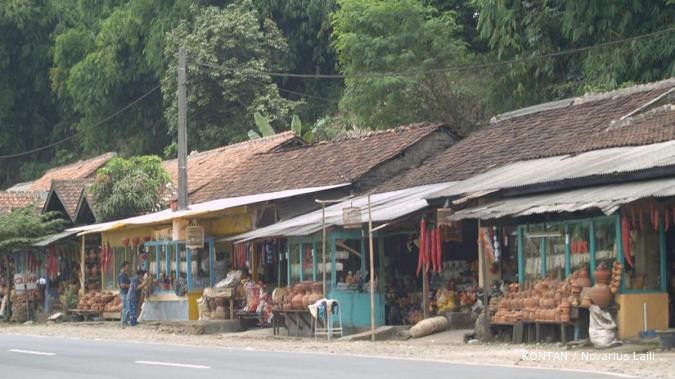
82, 269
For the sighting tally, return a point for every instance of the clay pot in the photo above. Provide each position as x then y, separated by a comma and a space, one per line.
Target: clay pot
584, 281
296, 301
557, 297
586, 302
601, 295
602, 276
565, 317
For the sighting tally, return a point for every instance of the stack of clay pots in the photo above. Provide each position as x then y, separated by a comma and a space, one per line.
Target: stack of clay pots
545, 300
600, 293
615, 283
304, 294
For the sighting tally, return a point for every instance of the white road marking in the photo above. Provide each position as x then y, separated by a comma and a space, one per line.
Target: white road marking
30, 352
170, 364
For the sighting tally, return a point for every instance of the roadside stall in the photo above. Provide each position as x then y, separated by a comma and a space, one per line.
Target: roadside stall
342, 273
571, 256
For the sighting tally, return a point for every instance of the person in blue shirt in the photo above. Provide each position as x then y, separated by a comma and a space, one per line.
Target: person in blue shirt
134, 295
124, 282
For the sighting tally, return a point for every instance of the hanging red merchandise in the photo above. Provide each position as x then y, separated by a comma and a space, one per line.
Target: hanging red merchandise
423, 233
427, 250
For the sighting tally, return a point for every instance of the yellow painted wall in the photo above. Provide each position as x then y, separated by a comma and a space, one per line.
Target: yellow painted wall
193, 310
630, 313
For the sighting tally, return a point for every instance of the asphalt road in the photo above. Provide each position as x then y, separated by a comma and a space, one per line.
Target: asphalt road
56, 358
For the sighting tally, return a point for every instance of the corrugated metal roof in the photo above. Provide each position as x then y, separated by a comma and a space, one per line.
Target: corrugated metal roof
565, 167
385, 207
607, 198
198, 209
48, 240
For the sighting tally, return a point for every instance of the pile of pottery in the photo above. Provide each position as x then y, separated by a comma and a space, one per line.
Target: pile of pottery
546, 300
607, 284
302, 295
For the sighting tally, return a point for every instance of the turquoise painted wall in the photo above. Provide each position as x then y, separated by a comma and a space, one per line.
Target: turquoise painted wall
356, 308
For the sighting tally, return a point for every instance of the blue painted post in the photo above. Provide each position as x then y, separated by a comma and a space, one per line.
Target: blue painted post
167, 261
568, 252
177, 261
212, 262
542, 255
159, 253
301, 259
188, 268
333, 264
662, 254
364, 252
380, 258
288, 263
591, 241
521, 256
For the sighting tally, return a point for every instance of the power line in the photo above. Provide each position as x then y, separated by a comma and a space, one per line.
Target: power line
448, 68
66, 139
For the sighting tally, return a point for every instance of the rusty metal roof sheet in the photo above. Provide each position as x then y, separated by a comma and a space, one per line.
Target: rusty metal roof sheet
607, 198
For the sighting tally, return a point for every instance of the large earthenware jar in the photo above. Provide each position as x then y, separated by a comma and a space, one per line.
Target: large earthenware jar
601, 295
602, 276
317, 292
296, 301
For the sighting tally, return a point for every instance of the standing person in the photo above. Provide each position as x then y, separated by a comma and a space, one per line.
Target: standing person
134, 295
124, 284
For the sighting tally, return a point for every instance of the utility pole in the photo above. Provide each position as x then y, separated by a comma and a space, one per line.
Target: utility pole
182, 130
372, 271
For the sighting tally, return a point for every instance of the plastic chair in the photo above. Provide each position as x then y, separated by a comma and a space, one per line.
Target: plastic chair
331, 326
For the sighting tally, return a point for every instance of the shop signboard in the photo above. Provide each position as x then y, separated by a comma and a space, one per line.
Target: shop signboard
351, 217
195, 237
25, 281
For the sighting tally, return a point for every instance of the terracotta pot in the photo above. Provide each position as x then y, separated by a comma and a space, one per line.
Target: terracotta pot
601, 295
296, 301
557, 297
584, 281
602, 276
565, 317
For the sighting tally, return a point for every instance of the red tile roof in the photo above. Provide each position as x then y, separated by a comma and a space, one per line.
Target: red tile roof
327, 163
569, 126
10, 201
69, 193
78, 170
222, 162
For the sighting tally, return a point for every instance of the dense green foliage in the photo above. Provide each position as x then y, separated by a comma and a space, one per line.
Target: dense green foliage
23, 226
129, 187
69, 64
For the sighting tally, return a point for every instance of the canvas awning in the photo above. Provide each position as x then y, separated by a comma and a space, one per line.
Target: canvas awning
200, 209
48, 240
385, 207
607, 198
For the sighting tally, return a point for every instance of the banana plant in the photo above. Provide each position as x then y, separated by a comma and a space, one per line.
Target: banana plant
265, 129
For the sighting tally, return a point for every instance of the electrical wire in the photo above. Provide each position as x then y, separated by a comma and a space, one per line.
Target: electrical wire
448, 68
66, 139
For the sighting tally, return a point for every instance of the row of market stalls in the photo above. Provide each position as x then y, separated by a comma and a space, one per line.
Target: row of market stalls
188, 251
523, 209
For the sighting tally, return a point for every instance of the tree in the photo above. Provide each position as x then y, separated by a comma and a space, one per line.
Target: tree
107, 54
516, 30
228, 49
306, 25
378, 37
23, 226
130, 187
28, 112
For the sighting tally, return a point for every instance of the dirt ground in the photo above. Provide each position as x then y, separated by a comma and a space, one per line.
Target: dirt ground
447, 346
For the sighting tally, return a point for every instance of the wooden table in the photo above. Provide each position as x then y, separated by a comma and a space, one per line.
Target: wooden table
298, 322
